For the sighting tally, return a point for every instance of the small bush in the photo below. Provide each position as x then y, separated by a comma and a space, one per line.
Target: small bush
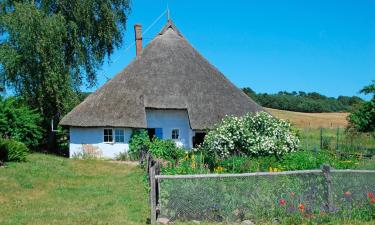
162, 149
12, 151
139, 141
20, 123
165, 149
305, 160
256, 135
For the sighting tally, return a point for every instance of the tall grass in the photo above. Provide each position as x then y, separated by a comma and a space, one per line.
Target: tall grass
337, 139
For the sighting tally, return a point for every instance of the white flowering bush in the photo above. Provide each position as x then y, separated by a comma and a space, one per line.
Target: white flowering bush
257, 134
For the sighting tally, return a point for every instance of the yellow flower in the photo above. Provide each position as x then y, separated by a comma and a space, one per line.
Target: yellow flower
219, 169
186, 156
274, 169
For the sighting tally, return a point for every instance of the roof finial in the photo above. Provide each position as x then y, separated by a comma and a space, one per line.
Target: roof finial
168, 16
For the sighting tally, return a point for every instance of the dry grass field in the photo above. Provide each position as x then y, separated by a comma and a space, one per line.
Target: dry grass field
313, 120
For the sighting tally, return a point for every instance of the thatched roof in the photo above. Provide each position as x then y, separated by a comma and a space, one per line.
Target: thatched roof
168, 74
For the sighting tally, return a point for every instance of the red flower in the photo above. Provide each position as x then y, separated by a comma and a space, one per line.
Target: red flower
347, 193
301, 207
372, 200
370, 195
282, 201
292, 194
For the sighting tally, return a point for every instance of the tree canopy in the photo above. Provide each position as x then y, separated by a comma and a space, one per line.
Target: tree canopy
50, 48
363, 118
304, 102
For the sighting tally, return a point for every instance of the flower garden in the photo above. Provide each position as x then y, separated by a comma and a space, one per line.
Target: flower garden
297, 198
257, 143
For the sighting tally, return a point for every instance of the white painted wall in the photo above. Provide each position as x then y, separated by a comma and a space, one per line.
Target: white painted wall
94, 138
169, 120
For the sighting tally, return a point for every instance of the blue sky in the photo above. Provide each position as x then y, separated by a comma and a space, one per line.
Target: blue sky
269, 45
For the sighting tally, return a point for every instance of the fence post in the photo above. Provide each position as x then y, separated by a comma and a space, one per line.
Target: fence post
328, 180
153, 195
337, 139
321, 138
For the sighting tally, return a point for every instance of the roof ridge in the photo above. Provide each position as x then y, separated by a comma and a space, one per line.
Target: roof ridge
171, 25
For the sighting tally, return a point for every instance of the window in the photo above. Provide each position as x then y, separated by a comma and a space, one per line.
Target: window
119, 135
108, 136
175, 134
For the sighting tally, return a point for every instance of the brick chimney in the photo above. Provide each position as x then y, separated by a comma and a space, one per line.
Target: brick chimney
138, 38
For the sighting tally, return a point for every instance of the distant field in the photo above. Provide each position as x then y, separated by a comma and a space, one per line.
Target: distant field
313, 120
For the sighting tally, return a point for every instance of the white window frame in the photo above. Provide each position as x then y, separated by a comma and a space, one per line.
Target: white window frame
123, 135
178, 134
108, 135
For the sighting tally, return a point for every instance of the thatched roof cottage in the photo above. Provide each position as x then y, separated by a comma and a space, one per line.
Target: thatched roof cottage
169, 89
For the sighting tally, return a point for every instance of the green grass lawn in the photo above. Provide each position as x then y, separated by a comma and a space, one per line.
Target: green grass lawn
53, 190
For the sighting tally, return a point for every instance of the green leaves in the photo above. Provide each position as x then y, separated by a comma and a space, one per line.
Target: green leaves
163, 149
49, 49
363, 118
19, 123
12, 151
33, 59
139, 141
369, 89
257, 134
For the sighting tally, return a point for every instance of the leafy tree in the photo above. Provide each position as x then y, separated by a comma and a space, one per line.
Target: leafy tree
363, 119
20, 123
49, 48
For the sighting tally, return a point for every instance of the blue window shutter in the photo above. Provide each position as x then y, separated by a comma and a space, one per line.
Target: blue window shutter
159, 133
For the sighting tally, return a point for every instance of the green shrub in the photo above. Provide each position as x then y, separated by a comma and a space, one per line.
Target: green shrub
20, 123
12, 151
162, 149
165, 149
362, 118
257, 134
304, 160
139, 141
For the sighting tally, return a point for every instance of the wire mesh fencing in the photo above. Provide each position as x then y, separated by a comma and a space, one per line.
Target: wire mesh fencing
338, 140
254, 196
